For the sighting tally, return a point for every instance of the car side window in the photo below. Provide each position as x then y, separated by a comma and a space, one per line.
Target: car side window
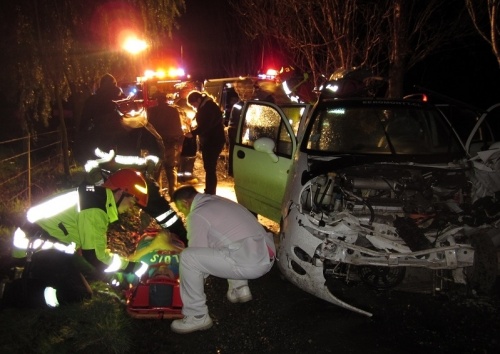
264, 121
294, 115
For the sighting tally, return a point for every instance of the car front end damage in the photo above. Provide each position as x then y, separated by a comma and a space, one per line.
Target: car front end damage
370, 216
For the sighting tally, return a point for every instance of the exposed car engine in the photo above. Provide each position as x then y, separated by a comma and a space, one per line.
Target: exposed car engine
420, 215
382, 192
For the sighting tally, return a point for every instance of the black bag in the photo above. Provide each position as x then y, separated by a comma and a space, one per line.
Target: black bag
189, 147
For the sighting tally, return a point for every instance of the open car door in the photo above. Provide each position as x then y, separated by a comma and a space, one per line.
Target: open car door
483, 144
265, 144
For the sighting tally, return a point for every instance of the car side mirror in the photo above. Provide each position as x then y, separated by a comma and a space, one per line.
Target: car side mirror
266, 145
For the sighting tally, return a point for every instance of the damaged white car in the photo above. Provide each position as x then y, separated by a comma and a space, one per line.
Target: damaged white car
366, 189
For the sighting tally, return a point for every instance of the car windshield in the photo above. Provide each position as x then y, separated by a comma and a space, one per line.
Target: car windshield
377, 128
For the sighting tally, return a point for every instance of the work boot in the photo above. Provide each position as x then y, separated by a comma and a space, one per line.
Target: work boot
240, 294
190, 324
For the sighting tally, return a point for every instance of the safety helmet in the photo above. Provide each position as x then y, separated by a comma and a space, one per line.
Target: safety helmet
130, 181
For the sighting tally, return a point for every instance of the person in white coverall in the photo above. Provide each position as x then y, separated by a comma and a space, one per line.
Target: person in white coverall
225, 240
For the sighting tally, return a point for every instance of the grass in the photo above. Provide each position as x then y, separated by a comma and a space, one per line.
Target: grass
99, 325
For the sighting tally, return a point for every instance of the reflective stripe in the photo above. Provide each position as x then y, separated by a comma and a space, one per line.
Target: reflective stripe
50, 296
115, 265
169, 222
21, 241
103, 158
136, 160
143, 269
53, 206
167, 219
163, 216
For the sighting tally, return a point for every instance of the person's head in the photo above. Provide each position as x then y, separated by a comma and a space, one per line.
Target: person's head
109, 89
108, 81
160, 97
129, 187
183, 198
245, 89
194, 99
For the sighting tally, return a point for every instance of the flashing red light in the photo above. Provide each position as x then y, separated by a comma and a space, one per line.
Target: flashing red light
271, 72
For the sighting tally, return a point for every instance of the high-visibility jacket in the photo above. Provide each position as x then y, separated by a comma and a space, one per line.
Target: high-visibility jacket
81, 215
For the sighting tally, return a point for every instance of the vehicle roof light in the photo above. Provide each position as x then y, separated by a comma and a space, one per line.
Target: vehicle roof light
271, 73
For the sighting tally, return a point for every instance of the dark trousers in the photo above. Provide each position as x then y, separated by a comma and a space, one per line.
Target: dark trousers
49, 268
210, 155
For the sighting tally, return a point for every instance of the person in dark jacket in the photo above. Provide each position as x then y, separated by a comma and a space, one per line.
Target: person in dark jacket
210, 131
190, 145
167, 121
100, 124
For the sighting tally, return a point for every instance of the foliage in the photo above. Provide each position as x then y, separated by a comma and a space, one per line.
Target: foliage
485, 15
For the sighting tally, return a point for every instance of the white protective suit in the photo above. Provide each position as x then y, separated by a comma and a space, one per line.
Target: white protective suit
226, 241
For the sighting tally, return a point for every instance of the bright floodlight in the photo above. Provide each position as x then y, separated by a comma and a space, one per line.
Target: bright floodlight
134, 45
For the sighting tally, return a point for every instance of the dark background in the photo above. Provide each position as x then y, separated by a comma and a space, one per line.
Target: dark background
465, 70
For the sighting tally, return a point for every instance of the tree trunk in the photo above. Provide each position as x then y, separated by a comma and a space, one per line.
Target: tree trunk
396, 66
63, 132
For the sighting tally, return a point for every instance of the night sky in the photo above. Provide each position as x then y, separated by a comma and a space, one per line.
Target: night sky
200, 33
468, 72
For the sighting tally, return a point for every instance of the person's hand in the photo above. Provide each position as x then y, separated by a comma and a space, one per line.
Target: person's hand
188, 135
122, 280
117, 280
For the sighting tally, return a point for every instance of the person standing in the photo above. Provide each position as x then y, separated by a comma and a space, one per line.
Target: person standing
210, 130
225, 240
100, 123
167, 121
190, 146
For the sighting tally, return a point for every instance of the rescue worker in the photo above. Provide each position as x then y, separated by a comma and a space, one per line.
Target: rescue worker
106, 143
64, 239
100, 123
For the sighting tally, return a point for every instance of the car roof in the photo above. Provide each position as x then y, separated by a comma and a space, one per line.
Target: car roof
231, 79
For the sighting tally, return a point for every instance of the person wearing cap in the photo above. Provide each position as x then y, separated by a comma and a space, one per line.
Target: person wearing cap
65, 236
